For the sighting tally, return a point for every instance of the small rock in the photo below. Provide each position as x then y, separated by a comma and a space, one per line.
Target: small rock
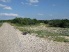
25, 33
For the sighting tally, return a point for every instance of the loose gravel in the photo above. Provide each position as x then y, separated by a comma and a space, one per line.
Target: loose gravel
12, 40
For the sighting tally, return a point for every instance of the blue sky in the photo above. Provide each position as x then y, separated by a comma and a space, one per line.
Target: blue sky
39, 9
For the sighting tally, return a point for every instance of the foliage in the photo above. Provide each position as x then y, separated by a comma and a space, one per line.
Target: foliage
55, 36
59, 23
60, 39
64, 23
24, 21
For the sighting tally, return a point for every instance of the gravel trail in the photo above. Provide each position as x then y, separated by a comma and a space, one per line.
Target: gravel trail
11, 40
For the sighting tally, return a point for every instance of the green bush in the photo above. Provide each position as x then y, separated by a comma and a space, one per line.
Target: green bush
24, 21
64, 23
59, 23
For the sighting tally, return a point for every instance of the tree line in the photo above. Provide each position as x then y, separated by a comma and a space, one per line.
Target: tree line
64, 23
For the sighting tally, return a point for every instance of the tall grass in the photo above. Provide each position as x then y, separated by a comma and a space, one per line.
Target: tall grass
1, 24
52, 33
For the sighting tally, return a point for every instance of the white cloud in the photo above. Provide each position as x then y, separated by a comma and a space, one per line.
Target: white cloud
33, 1
31, 4
40, 14
5, 0
1, 5
35, 5
9, 14
22, 3
5, 7
8, 8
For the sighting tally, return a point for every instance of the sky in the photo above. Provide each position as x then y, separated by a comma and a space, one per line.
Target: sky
39, 9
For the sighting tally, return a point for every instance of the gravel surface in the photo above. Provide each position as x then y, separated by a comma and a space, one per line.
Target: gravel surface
11, 40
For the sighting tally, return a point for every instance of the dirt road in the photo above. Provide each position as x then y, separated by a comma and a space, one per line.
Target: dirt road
11, 40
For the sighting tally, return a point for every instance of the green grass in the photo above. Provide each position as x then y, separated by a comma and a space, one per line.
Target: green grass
55, 36
46, 34
60, 39
1, 24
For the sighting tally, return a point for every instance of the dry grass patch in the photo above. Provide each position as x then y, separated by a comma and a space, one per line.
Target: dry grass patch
52, 33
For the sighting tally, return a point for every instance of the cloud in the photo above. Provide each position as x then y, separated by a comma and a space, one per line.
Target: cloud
9, 14
22, 3
1, 5
5, 7
30, 2
40, 14
35, 5
8, 8
5, 0
33, 1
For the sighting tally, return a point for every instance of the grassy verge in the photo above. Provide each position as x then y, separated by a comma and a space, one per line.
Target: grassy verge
1, 24
60, 39
49, 32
